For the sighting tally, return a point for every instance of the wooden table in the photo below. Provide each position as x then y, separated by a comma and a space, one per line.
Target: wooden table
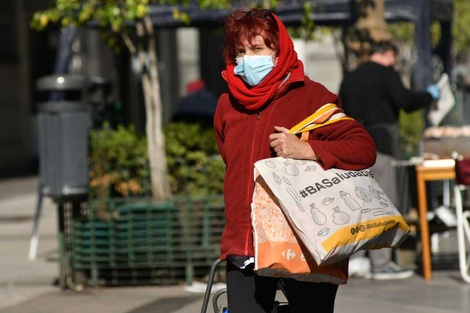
429, 171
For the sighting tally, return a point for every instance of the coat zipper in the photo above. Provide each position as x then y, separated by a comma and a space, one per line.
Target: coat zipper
252, 153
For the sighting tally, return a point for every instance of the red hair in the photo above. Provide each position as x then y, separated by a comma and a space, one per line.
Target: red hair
244, 25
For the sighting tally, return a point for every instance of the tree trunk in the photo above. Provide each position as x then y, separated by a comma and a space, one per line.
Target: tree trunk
153, 108
370, 27
374, 21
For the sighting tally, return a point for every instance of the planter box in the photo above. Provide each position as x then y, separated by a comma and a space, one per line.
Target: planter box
139, 242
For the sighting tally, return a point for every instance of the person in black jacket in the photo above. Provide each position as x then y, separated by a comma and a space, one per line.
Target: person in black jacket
373, 94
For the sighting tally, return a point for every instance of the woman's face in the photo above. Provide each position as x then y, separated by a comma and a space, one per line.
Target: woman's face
254, 47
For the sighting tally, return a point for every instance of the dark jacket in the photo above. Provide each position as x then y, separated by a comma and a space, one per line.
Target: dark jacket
373, 94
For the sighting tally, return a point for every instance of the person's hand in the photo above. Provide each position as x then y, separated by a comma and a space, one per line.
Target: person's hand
289, 145
434, 91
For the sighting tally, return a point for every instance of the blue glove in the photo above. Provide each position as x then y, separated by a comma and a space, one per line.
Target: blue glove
434, 91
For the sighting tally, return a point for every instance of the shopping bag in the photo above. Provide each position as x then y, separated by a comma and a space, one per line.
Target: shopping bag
277, 250
333, 213
445, 102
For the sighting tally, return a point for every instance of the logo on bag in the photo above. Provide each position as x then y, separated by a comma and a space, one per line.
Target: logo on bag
330, 182
289, 254
357, 229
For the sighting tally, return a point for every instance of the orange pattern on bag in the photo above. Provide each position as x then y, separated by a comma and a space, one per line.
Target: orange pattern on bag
274, 226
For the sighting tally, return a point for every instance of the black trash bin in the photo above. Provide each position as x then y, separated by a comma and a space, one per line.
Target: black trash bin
64, 123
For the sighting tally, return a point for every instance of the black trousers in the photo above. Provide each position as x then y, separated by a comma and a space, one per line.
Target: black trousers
250, 293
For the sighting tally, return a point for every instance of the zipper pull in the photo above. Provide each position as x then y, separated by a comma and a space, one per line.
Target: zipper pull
259, 113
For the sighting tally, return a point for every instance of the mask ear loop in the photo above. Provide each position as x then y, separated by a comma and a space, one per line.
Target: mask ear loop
277, 58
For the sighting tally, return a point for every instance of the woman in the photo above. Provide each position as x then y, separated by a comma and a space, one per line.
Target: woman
268, 94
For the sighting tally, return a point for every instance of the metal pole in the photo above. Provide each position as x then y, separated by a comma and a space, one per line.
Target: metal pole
422, 72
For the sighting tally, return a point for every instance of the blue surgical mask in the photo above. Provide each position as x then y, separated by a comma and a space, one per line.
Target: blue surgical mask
253, 68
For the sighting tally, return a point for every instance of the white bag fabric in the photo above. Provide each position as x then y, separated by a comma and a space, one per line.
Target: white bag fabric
334, 213
445, 102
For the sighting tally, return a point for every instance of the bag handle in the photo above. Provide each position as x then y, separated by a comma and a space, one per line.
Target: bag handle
325, 115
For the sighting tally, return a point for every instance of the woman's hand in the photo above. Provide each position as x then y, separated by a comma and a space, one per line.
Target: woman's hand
289, 145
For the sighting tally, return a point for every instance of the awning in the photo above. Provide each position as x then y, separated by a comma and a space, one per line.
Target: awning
324, 12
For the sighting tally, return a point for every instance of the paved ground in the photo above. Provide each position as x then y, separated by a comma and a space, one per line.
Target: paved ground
28, 286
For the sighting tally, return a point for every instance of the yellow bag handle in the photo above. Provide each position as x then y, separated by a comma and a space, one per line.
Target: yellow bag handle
325, 115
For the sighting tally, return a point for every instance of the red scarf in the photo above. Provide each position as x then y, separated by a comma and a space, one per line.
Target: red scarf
254, 97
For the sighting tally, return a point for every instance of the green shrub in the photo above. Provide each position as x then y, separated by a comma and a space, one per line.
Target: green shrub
411, 132
194, 164
119, 162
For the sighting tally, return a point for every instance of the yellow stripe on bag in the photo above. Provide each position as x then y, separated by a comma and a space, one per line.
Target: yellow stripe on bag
365, 230
315, 126
322, 110
322, 117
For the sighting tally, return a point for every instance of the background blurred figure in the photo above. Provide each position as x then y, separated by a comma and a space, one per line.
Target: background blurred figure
198, 105
373, 94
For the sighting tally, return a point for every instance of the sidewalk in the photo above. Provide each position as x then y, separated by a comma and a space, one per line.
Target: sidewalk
28, 286
21, 279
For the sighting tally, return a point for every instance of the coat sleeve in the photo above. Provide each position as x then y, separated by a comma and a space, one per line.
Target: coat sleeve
344, 144
219, 125
402, 97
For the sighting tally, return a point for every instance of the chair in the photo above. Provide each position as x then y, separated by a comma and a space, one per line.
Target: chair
462, 184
